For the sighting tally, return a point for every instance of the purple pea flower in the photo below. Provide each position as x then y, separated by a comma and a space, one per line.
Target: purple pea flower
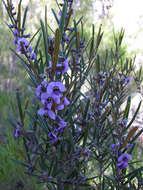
53, 137
64, 103
62, 124
10, 26
15, 41
71, 29
30, 49
27, 36
98, 94
65, 66
56, 88
22, 45
41, 88
48, 99
123, 160
44, 83
127, 80
16, 132
15, 32
113, 147
23, 41
61, 67
66, 38
60, 129
33, 56
60, 13
45, 111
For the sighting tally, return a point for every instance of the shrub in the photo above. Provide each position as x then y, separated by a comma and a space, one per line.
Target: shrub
74, 141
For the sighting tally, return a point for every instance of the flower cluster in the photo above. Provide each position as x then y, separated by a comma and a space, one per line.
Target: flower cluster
123, 161
51, 95
61, 67
119, 148
20, 39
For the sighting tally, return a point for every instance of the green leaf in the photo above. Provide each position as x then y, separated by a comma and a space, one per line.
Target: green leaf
63, 19
19, 16
45, 42
56, 50
127, 109
24, 17
76, 33
41, 63
18, 162
42, 164
25, 65
37, 44
135, 114
132, 175
55, 15
92, 44
86, 109
51, 166
8, 12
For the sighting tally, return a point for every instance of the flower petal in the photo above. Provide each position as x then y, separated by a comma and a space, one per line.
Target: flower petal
51, 114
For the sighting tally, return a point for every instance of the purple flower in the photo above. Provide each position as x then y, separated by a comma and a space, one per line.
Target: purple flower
60, 129
122, 165
30, 49
98, 94
41, 88
48, 99
71, 29
66, 38
27, 36
62, 124
44, 83
45, 111
15, 41
15, 32
10, 26
123, 160
56, 88
32, 56
61, 67
127, 80
16, 133
60, 107
65, 66
53, 137
23, 41
64, 103
113, 147
22, 45
60, 13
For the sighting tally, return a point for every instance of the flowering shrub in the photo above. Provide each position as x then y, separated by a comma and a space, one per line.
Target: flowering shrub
74, 141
